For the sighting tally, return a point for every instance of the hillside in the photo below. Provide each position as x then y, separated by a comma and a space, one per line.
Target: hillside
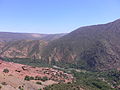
18, 76
23, 49
94, 47
24, 45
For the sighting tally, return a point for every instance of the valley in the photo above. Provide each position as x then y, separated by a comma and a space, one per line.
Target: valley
87, 58
78, 79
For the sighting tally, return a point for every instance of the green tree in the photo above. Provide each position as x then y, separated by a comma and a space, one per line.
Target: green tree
27, 78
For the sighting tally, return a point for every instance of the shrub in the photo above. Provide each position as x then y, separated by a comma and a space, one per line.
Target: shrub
37, 78
69, 83
39, 89
0, 87
4, 83
6, 70
39, 83
27, 78
31, 78
21, 88
44, 79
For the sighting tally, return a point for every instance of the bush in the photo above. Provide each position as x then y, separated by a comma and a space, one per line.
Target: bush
4, 83
6, 70
39, 83
39, 89
27, 78
37, 78
21, 88
44, 79
0, 87
31, 78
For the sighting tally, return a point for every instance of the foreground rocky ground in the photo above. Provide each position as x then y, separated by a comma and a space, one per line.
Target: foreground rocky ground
22, 77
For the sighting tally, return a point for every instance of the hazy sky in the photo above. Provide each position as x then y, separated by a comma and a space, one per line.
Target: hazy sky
55, 16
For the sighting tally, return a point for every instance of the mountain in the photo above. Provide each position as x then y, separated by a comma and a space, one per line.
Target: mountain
24, 45
8, 36
95, 47
23, 49
91, 54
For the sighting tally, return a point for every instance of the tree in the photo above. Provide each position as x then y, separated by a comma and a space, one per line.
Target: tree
6, 70
39, 83
27, 78
44, 79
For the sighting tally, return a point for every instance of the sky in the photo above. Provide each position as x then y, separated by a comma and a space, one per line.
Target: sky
55, 16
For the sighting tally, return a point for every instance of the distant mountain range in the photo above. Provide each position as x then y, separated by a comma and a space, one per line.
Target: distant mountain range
24, 45
94, 47
9, 36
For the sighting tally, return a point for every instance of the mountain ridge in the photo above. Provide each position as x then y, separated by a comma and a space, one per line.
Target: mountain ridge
12, 36
95, 47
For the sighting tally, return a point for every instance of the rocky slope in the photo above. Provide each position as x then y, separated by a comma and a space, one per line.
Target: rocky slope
23, 49
90, 47
12, 76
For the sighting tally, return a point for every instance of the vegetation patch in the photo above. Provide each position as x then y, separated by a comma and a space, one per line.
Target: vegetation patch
39, 83
6, 70
84, 80
28, 78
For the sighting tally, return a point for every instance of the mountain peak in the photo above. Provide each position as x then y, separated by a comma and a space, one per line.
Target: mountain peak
117, 21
